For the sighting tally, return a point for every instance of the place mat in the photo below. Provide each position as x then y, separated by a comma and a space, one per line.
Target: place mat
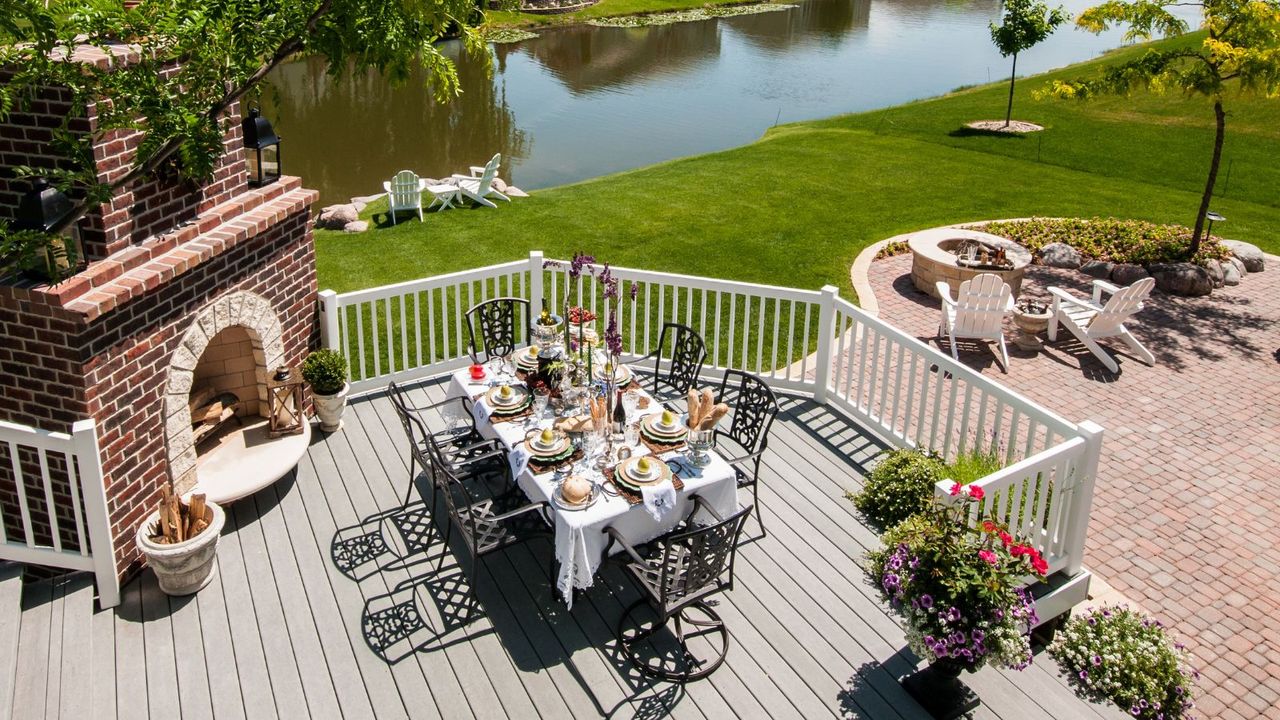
658, 448
633, 496
495, 418
540, 466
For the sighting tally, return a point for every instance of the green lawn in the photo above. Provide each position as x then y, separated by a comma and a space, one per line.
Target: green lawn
796, 207
602, 9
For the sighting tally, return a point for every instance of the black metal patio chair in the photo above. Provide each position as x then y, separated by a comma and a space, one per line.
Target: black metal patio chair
754, 408
462, 446
684, 365
487, 524
678, 573
500, 327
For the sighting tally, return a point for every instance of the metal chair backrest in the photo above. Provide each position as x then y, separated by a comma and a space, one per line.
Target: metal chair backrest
699, 562
1123, 304
457, 498
414, 429
500, 331
981, 304
405, 190
754, 408
490, 172
687, 353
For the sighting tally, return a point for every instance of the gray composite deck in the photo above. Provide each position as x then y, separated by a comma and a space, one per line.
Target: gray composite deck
279, 631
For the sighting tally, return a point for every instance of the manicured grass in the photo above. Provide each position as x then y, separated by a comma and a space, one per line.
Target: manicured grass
796, 207
604, 8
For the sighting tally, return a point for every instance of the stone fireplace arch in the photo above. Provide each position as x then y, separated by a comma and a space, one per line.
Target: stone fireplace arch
243, 309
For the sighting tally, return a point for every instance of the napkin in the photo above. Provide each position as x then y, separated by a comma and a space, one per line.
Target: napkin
519, 459
659, 499
480, 411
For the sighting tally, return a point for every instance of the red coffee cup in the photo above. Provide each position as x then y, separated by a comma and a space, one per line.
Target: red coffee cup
477, 372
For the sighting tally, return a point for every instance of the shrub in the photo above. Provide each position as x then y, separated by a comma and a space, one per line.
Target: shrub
1110, 239
1122, 655
902, 483
899, 486
326, 371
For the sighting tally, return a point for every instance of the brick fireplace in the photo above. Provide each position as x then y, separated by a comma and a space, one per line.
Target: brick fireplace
187, 287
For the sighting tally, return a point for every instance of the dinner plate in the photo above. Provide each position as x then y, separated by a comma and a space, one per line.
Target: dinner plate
514, 409
518, 397
652, 427
557, 448
626, 472
621, 375
563, 504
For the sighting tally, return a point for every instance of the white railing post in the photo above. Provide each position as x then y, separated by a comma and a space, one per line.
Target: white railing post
1082, 497
84, 441
826, 329
535, 282
329, 319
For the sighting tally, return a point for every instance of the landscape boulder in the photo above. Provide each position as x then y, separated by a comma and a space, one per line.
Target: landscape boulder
1249, 254
1100, 269
1181, 278
1214, 268
336, 217
1060, 255
1230, 274
358, 226
1127, 274
1238, 264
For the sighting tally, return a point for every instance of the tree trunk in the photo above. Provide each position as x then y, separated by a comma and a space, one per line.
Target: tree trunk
1221, 117
1013, 74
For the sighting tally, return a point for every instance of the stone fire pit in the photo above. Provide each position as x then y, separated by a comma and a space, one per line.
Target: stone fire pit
933, 255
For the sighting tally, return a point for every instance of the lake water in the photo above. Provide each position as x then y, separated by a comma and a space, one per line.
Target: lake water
581, 102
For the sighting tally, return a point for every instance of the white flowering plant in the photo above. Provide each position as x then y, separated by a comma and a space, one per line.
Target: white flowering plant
1120, 654
959, 587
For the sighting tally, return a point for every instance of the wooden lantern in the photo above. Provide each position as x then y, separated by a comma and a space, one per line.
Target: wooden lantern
284, 402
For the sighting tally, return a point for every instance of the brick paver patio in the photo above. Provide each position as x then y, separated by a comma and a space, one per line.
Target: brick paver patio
1186, 522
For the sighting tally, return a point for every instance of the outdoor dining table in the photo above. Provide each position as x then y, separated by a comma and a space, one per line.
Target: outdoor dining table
580, 538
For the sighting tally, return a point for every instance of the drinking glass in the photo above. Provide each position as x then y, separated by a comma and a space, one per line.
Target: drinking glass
631, 435
540, 397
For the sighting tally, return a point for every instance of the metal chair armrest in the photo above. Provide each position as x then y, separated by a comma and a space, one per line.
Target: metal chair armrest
615, 535
531, 507
700, 504
743, 458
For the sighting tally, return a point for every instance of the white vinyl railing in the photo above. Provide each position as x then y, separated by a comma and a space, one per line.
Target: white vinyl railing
809, 341
63, 520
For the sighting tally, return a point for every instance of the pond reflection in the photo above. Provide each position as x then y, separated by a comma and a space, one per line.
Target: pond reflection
581, 102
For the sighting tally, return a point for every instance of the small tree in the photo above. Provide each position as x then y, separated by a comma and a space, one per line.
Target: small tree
1025, 24
192, 60
1241, 51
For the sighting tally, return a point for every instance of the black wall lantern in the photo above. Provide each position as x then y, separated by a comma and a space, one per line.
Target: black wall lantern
263, 144
41, 209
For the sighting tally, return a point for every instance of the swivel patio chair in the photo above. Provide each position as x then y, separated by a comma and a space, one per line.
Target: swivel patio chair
678, 573
462, 446
754, 408
404, 192
479, 184
503, 326
977, 312
487, 523
685, 365
1091, 321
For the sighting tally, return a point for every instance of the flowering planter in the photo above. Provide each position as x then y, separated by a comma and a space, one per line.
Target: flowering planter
939, 690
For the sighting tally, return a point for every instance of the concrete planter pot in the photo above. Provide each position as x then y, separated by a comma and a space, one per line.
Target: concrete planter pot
184, 568
330, 408
1030, 325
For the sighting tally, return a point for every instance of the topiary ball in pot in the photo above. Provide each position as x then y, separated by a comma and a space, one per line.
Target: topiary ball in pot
326, 372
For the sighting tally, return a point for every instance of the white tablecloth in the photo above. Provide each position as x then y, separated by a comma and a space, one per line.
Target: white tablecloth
579, 534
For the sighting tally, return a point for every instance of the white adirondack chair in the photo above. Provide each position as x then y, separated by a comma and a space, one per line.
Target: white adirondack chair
1091, 321
976, 312
479, 184
404, 192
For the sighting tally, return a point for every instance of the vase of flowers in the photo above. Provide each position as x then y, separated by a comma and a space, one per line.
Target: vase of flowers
958, 588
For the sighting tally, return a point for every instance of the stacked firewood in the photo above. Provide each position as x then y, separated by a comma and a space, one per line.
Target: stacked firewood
180, 520
210, 410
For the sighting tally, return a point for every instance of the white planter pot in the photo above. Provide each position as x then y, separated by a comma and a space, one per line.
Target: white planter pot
330, 408
188, 566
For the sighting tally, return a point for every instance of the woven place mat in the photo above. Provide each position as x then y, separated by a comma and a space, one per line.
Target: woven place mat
495, 418
633, 496
541, 466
